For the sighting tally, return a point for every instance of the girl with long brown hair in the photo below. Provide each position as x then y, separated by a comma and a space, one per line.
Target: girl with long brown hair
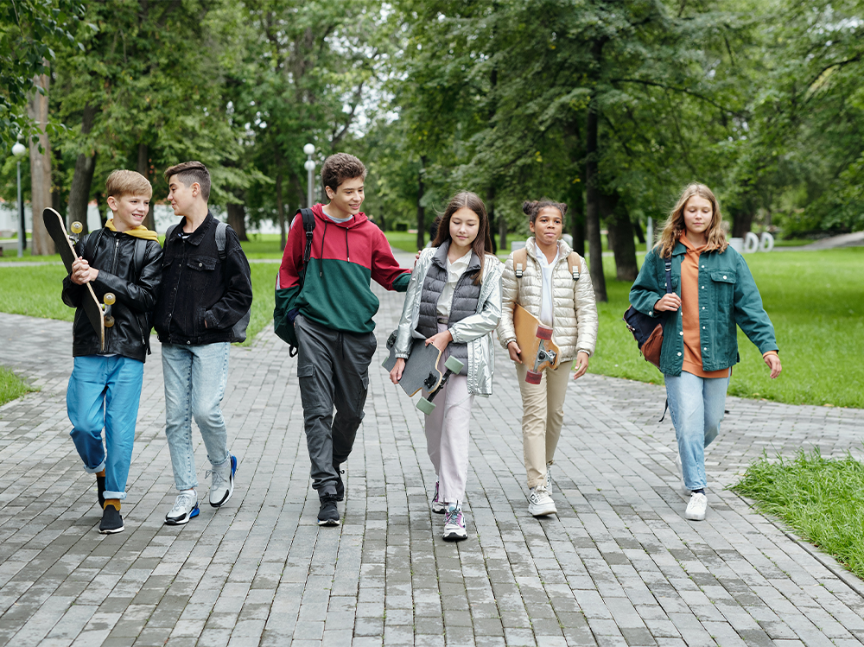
713, 291
454, 302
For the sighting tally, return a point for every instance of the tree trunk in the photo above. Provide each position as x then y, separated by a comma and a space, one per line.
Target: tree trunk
82, 180
490, 212
592, 206
40, 170
237, 219
577, 230
280, 211
101, 207
620, 238
421, 210
742, 221
637, 228
57, 202
144, 169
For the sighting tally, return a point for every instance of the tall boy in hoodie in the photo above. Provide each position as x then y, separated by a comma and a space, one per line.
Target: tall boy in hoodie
332, 319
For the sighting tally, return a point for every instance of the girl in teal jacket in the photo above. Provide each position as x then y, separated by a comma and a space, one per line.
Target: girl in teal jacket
713, 292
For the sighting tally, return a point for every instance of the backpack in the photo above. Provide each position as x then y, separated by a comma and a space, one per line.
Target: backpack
284, 326
238, 330
520, 262
648, 331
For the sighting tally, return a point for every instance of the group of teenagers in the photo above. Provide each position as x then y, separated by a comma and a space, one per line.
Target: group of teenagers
196, 292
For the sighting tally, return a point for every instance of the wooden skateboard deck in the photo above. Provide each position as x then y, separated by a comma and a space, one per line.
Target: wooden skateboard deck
535, 340
98, 315
421, 370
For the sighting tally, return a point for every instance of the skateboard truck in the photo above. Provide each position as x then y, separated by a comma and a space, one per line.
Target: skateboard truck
452, 365
544, 333
109, 300
76, 228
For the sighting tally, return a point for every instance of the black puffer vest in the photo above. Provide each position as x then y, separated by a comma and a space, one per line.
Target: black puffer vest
464, 303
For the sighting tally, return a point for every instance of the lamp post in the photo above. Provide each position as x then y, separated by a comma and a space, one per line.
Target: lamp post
309, 149
18, 150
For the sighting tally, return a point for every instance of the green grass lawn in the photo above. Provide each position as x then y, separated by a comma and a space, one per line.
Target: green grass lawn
11, 386
820, 498
814, 299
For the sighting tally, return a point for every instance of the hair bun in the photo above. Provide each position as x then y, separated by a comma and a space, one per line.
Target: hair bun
528, 207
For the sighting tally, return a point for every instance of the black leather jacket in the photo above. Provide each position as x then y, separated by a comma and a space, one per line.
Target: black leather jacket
113, 256
202, 295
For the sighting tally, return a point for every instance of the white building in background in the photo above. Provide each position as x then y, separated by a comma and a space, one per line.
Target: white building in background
164, 218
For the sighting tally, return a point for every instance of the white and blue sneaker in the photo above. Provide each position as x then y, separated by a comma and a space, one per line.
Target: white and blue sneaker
222, 485
454, 523
185, 508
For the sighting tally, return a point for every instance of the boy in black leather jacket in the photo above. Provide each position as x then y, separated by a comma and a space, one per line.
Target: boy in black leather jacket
124, 258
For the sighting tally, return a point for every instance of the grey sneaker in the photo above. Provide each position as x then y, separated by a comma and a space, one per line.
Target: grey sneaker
540, 503
185, 508
222, 485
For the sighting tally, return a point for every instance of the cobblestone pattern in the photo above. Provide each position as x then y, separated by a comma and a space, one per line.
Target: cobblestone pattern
619, 565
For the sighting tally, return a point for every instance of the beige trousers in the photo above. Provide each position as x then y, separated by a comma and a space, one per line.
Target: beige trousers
542, 418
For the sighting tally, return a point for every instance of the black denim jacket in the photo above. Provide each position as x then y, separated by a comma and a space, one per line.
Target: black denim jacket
202, 296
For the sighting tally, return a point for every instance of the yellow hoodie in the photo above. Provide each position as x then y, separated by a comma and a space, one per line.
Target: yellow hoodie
138, 232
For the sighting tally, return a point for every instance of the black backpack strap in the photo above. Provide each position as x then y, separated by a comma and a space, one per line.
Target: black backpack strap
309, 227
91, 243
138, 258
170, 233
221, 228
669, 289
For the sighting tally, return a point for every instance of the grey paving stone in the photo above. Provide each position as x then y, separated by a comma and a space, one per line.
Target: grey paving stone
619, 565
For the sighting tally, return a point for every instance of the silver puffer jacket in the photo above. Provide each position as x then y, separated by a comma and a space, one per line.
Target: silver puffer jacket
475, 330
575, 320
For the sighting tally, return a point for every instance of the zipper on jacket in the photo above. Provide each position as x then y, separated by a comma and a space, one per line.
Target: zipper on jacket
113, 271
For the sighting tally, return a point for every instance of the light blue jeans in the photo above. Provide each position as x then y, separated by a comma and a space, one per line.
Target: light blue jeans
104, 392
195, 378
697, 405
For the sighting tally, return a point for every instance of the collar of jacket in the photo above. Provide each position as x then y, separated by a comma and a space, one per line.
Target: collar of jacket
679, 249
564, 250
440, 258
198, 235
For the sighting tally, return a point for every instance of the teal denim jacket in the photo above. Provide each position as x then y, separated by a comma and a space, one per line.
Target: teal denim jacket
727, 296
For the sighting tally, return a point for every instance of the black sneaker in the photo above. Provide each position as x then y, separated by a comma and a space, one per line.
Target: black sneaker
100, 490
340, 484
112, 522
328, 515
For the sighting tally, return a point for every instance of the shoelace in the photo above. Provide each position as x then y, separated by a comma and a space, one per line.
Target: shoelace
184, 501
454, 517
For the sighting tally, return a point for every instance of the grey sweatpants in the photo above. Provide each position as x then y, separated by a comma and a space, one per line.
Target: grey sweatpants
333, 371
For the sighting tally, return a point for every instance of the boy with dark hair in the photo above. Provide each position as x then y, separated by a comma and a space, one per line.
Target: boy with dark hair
124, 258
332, 319
203, 307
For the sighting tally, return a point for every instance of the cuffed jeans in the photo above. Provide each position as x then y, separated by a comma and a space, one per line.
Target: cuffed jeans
104, 393
542, 418
195, 378
697, 405
333, 371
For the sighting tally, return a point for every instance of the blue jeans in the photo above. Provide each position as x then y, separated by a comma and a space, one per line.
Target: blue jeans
104, 393
195, 379
697, 405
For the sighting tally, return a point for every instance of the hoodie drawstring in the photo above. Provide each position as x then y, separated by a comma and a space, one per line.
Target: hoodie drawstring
321, 271
347, 251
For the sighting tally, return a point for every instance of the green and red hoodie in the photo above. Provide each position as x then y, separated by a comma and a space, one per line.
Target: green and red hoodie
337, 290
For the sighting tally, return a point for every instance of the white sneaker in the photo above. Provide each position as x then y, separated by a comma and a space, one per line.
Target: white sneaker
540, 503
697, 507
222, 485
681, 472
185, 508
454, 524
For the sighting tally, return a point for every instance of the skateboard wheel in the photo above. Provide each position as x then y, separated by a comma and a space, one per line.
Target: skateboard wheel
544, 333
453, 364
76, 227
109, 299
109, 321
425, 406
533, 377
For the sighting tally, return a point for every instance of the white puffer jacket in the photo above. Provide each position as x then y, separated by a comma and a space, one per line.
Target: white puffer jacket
574, 327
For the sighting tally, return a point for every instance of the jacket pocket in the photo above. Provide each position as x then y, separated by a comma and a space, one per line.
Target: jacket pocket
723, 288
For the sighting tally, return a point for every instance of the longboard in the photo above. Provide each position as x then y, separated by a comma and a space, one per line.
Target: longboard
535, 340
99, 315
421, 370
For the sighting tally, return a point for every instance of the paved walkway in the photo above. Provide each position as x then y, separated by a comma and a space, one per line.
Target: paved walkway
618, 566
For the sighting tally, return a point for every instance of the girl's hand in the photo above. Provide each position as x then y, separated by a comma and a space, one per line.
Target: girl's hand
441, 340
417, 257
396, 373
669, 301
581, 364
515, 352
773, 362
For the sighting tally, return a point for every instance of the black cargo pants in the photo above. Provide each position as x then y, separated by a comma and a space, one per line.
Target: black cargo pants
333, 371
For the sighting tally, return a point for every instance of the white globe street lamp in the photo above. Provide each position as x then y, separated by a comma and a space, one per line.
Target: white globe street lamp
18, 150
309, 150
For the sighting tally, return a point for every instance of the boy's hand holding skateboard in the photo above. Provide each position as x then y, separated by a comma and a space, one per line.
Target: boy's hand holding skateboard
82, 272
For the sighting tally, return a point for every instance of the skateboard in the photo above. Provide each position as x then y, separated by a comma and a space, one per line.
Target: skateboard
99, 314
421, 370
536, 343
